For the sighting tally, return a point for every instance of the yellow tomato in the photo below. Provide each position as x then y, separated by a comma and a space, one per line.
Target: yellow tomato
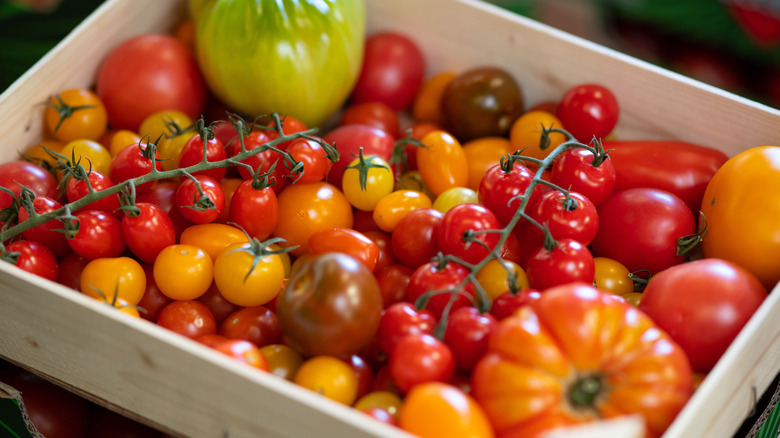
379, 182
611, 276
245, 279
494, 277
123, 138
37, 152
90, 154
212, 237
386, 400
412, 180
454, 196
229, 186
393, 207
526, 134
434, 409
442, 163
482, 154
111, 279
183, 272
74, 114
163, 123
283, 361
329, 376
170, 149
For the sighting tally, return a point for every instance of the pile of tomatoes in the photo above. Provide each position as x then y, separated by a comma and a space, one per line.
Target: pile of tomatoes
445, 257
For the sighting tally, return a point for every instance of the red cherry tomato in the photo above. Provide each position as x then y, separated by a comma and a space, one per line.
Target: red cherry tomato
507, 303
414, 238
34, 258
393, 281
500, 190
464, 218
567, 217
588, 111
442, 282
187, 194
192, 154
188, 318
401, 319
347, 241
77, 189
467, 336
148, 232
570, 261
99, 235
255, 210
420, 358
132, 162
348, 140
574, 171
46, 233
257, 324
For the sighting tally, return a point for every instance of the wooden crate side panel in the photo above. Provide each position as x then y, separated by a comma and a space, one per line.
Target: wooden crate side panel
655, 103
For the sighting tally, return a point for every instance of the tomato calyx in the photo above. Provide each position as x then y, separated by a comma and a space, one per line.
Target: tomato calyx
686, 243
362, 166
398, 157
64, 110
585, 390
259, 250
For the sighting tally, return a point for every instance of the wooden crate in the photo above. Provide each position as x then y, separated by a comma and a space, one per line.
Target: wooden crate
184, 388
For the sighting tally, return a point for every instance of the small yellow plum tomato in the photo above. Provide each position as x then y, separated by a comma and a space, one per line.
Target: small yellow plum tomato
89, 153
111, 279
482, 154
212, 237
393, 207
437, 409
305, 209
183, 272
283, 360
329, 376
526, 134
366, 180
442, 163
454, 196
612, 276
170, 149
75, 114
494, 277
246, 276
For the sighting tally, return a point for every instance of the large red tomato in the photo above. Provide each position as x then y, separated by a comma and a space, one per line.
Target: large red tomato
146, 74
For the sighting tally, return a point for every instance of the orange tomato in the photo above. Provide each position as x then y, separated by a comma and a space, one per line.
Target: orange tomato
38, 155
427, 104
442, 163
434, 409
75, 114
741, 208
283, 360
212, 238
494, 278
393, 207
111, 279
183, 272
526, 134
89, 153
347, 241
482, 154
121, 139
329, 376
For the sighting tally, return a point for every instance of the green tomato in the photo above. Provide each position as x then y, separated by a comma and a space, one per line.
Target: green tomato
299, 58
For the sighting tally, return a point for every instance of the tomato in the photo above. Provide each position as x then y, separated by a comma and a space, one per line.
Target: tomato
481, 102
384, 400
112, 278
347, 241
467, 336
121, 139
149, 73
575, 355
571, 216
170, 148
133, 162
482, 154
400, 319
442, 163
526, 134
188, 198
330, 377
348, 139
640, 228
305, 209
256, 211
89, 153
569, 261
153, 299
243, 351
46, 233
712, 296
331, 305
257, 324
70, 268
17, 174
32, 257
367, 180
314, 158
392, 72
384, 244
575, 170
739, 208
440, 283
266, 161
99, 235
494, 277
412, 180
54, 411
148, 231
392, 208
419, 358
187, 318
212, 238
508, 302
427, 104
502, 187
247, 276
372, 113
163, 194
455, 196
192, 154
437, 409
183, 272
219, 306
587, 111
166, 123
79, 188
414, 238
37, 153
283, 361
229, 185
611, 276
453, 238
74, 114
393, 281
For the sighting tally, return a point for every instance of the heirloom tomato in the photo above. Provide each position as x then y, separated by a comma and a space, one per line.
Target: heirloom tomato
112, 278
741, 209
436, 409
74, 114
442, 163
247, 278
330, 306
575, 355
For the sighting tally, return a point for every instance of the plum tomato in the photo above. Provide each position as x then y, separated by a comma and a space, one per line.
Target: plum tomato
442, 162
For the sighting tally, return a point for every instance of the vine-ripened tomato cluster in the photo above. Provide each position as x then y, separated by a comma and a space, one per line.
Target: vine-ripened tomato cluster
475, 263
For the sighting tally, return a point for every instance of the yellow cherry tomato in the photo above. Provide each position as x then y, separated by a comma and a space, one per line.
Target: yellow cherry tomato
90, 154
427, 104
437, 409
38, 155
123, 138
329, 376
111, 279
482, 154
170, 149
393, 207
611, 276
442, 163
283, 361
163, 123
494, 277
212, 237
454, 196
305, 209
183, 272
379, 181
526, 133
74, 114
245, 279
386, 400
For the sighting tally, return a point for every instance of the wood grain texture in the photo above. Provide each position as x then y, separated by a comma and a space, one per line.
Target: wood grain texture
182, 387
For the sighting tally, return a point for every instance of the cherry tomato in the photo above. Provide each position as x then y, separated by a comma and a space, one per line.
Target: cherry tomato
153, 299
192, 154
266, 161
183, 272
89, 153
526, 134
329, 376
372, 113
17, 174
437, 409
507, 303
348, 139
74, 114
401, 319
109, 279
494, 277
385, 246
570, 261
312, 155
588, 111
455, 196
148, 232
392, 208
384, 400
367, 180
132, 162
427, 104
414, 238
256, 211
283, 361
46, 233
187, 195
99, 235
501, 190
392, 72
442, 163
441, 283
34, 258
219, 306
611, 276
243, 351
393, 281
163, 195
482, 154
575, 170
77, 189
187, 318
571, 216
419, 358
212, 238
347, 241
70, 268
246, 277
468, 218
257, 324
467, 336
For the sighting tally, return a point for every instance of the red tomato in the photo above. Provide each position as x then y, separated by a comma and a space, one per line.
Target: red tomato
442, 280
187, 318
392, 73
267, 161
588, 111
99, 235
163, 195
70, 268
374, 113
385, 246
34, 258
640, 229
467, 336
187, 195
16, 174
401, 319
567, 217
462, 219
314, 158
574, 170
220, 307
148, 232
255, 210
393, 281
348, 140
77, 189
347, 241
192, 154
569, 261
414, 238
46, 233
501, 188
507, 303
710, 296
420, 358
153, 300
243, 351
146, 74
257, 324
132, 162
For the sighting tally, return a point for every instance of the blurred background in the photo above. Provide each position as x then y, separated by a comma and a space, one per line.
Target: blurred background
731, 44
